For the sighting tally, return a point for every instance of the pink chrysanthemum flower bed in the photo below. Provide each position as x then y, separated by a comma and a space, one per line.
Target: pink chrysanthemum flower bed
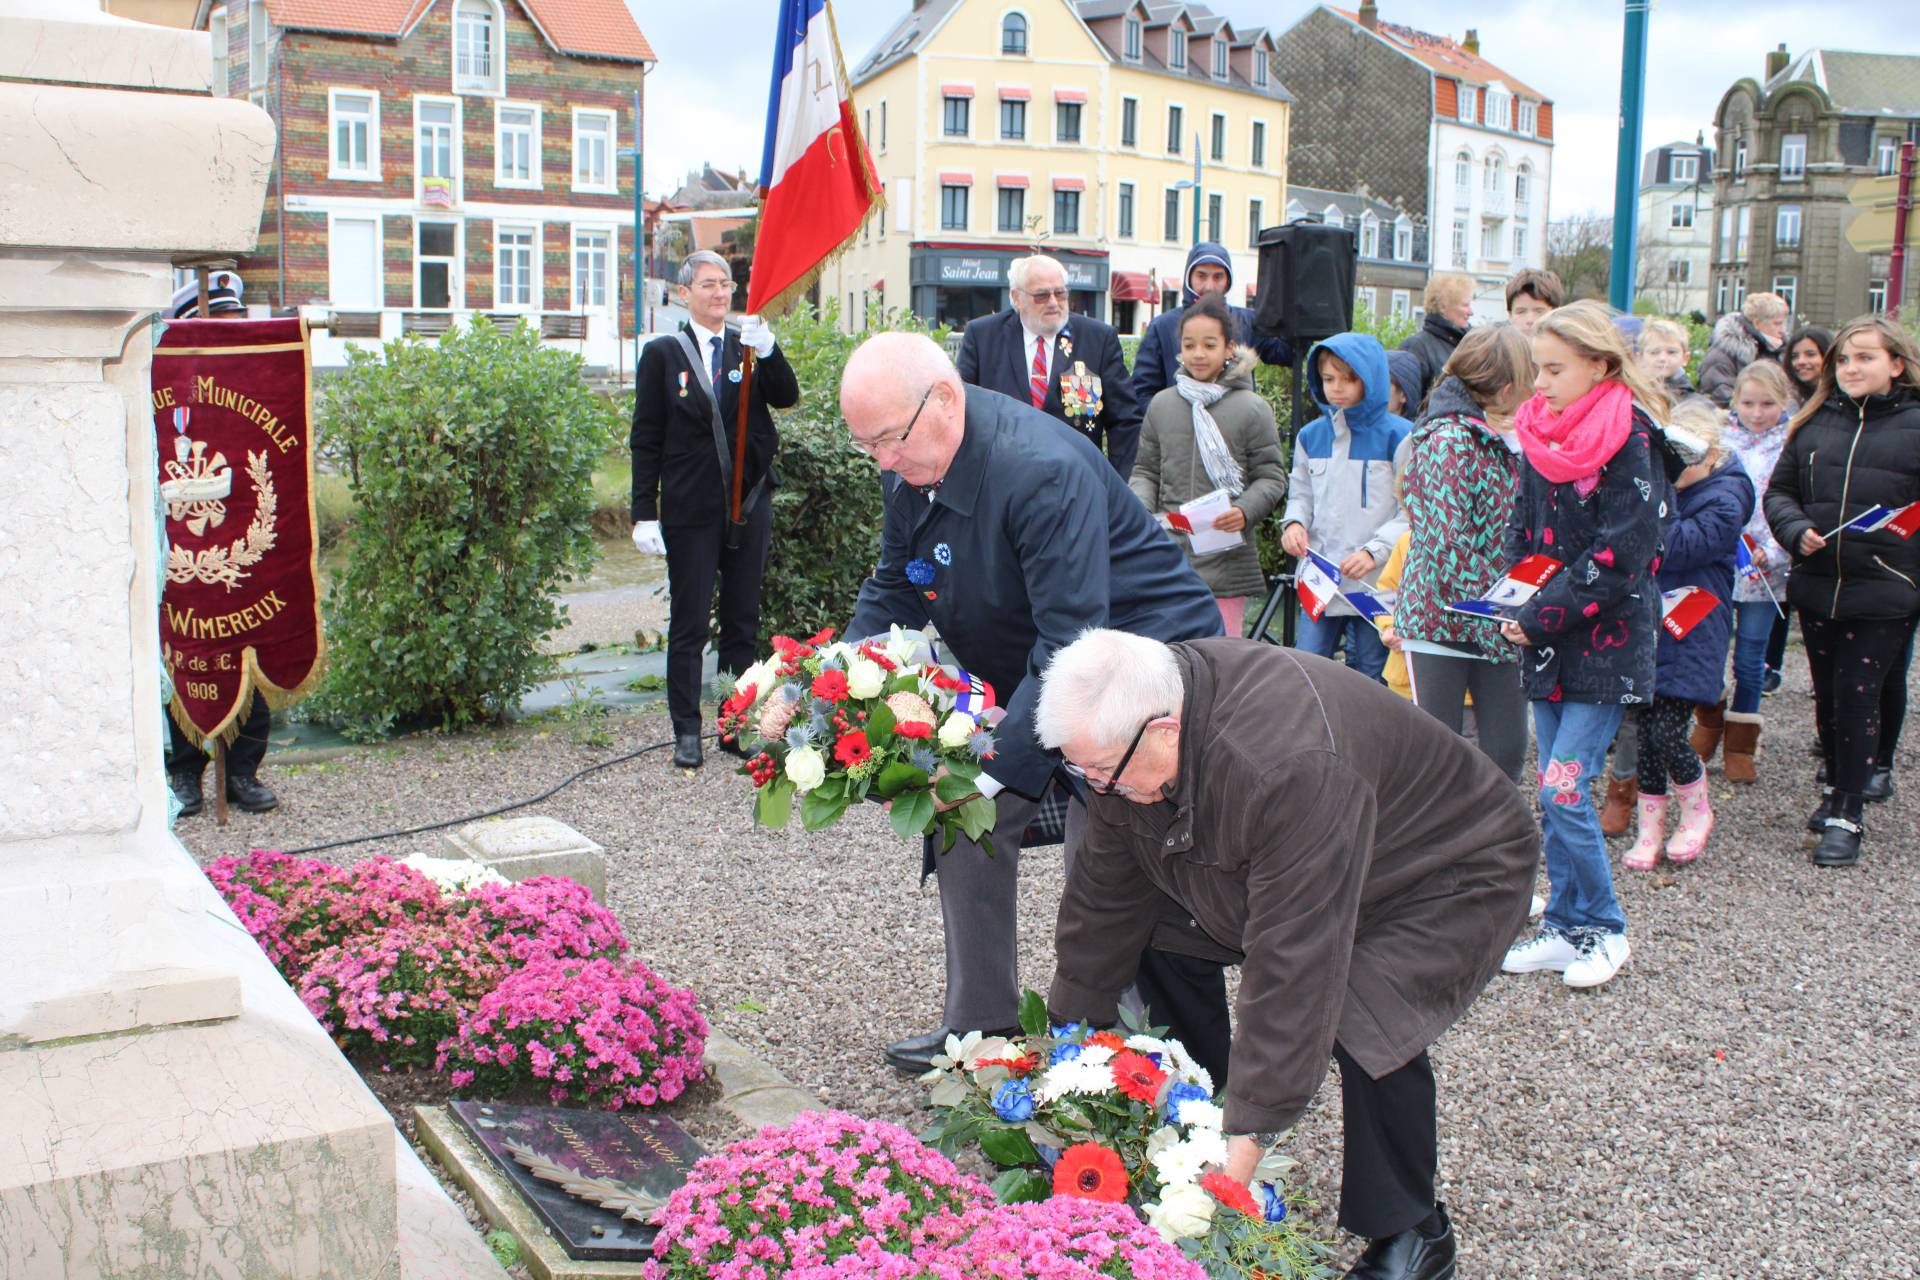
828, 1191
1064, 1238
509, 986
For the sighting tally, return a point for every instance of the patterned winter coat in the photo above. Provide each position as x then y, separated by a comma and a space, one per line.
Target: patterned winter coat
1758, 453
1594, 625
1459, 494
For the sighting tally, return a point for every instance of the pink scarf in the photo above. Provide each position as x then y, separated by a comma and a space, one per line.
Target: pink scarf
1573, 445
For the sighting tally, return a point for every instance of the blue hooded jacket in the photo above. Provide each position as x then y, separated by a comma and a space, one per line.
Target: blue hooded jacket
1159, 354
1345, 487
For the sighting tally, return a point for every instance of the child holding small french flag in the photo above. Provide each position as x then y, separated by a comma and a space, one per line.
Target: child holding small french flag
1844, 500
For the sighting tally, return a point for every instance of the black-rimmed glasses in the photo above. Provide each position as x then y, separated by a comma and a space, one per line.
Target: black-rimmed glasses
872, 447
1112, 784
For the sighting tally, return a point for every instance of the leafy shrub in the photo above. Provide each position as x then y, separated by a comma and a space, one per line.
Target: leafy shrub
472, 461
599, 1032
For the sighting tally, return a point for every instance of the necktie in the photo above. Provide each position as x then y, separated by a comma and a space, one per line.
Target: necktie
713, 365
1037, 384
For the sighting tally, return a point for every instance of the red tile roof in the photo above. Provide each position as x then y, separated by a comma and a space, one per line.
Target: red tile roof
1444, 56
587, 28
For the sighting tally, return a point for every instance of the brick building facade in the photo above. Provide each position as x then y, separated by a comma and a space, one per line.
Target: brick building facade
440, 160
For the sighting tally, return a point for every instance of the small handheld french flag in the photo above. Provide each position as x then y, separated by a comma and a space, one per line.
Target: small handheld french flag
1318, 582
1523, 580
1682, 609
1904, 521
1746, 557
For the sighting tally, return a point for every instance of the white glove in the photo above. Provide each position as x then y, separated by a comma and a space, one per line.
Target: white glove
755, 333
647, 539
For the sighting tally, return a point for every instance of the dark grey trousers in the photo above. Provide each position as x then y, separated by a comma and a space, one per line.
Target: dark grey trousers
979, 912
1441, 686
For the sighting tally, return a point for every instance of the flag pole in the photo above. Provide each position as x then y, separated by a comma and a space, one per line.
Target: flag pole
736, 527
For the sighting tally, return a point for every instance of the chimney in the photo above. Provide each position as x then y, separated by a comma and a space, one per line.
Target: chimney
1777, 62
1369, 15
1472, 43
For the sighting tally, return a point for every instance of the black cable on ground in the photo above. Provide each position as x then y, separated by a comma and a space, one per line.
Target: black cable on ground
490, 813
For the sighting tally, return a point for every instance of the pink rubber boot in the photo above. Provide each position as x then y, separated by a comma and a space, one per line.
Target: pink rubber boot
1645, 854
1696, 821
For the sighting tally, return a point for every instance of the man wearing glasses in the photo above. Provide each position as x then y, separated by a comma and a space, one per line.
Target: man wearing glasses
685, 414
1069, 367
1366, 868
1011, 537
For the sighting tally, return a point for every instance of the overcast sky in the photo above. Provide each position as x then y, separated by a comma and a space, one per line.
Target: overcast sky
706, 99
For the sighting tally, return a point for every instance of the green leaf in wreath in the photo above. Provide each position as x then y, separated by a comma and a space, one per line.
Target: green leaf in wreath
897, 777
952, 788
774, 805
1033, 1013
820, 809
1010, 1147
968, 769
912, 812
1018, 1185
949, 832
977, 817
880, 722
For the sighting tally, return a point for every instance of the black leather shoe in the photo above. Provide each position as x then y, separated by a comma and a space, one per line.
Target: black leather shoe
915, 1055
686, 751
186, 789
1411, 1255
1840, 844
1879, 786
1817, 820
250, 795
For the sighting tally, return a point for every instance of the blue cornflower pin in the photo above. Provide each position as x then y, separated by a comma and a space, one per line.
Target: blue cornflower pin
943, 553
733, 375
919, 573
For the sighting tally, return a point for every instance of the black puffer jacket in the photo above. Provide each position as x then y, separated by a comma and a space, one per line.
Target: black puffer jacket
1432, 344
1848, 457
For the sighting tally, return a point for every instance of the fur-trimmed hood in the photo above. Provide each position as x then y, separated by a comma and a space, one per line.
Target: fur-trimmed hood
1741, 340
1238, 375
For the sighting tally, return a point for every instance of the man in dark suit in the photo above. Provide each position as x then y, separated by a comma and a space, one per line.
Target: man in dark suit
1070, 367
1011, 537
685, 416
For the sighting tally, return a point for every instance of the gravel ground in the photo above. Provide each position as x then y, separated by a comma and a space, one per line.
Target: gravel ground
1742, 1101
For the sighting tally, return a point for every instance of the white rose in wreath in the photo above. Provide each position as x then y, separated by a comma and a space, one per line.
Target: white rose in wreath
1184, 1211
955, 732
759, 675
806, 768
865, 679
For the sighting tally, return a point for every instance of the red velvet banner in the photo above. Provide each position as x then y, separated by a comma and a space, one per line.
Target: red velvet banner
240, 612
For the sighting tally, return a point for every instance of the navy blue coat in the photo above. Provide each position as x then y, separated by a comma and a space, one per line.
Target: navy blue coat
1701, 532
994, 354
1032, 538
1158, 358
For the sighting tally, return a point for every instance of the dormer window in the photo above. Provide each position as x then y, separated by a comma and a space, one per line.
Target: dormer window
1686, 168
1177, 49
479, 56
1219, 58
1131, 48
1259, 68
1013, 35
1467, 103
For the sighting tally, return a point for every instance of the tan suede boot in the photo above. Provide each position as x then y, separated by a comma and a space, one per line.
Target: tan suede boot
1617, 813
1742, 745
1709, 722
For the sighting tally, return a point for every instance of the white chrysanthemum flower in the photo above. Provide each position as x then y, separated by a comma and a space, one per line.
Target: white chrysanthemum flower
1183, 1212
1095, 1055
453, 875
1184, 1161
1201, 1115
1147, 1044
1185, 1068
1076, 1075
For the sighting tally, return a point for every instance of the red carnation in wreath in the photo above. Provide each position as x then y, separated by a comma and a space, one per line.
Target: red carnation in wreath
1107, 1040
1230, 1192
1135, 1075
1090, 1172
831, 685
852, 749
913, 729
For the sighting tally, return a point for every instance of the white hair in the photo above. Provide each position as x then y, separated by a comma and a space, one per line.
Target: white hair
1020, 269
1104, 686
690, 266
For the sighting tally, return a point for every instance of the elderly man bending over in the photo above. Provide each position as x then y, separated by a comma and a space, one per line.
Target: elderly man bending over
1366, 868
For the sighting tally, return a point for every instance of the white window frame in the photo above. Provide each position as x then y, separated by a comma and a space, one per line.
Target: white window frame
1743, 236
1787, 217
1499, 109
1257, 144
1259, 68
1177, 136
1369, 235
1026, 34
883, 147
1403, 240
1522, 189
1739, 291
612, 117
1496, 169
1178, 222
334, 169
1876, 297
1489, 240
574, 236
1680, 216
1132, 38
379, 255
1529, 122
1886, 156
1463, 170
533, 182
494, 84
1400, 303
1256, 215
1133, 145
1684, 169
1332, 217
257, 32
1794, 144
1726, 233
1788, 288
457, 160
1740, 160
1126, 211
1176, 49
1219, 58
218, 37
1519, 244
1217, 129
456, 270
536, 261
1680, 271
1459, 242
1466, 109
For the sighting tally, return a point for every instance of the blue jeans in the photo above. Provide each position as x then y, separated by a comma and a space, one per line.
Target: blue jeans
1572, 739
1366, 653
1752, 629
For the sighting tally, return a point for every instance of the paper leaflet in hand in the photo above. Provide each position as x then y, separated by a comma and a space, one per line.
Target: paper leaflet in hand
1904, 521
1318, 582
1199, 515
1512, 591
1682, 609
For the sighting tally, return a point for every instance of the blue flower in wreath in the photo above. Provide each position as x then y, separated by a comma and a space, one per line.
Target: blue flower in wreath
920, 573
943, 553
1013, 1101
1063, 1053
1181, 1094
1273, 1205
923, 759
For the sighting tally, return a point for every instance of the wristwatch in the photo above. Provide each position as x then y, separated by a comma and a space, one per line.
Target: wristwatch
1266, 1140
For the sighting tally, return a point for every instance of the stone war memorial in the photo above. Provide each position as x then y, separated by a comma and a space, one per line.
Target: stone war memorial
172, 1108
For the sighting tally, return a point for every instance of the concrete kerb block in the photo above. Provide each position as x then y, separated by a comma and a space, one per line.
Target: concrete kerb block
524, 847
751, 1088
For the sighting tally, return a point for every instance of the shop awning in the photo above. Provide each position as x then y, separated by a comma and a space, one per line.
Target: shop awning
956, 91
1069, 184
1069, 95
957, 178
1015, 93
1011, 180
1130, 286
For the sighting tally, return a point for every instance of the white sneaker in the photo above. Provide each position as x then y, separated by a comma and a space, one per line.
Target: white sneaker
1547, 949
1537, 908
1600, 957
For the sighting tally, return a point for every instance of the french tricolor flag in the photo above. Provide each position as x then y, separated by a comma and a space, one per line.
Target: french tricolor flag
1318, 582
1682, 609
817, 183
1523, 580
1901, 520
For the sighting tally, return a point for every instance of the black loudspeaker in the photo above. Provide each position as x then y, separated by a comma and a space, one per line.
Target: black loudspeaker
1306, 282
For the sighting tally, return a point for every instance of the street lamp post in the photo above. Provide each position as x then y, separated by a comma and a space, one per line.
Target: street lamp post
1194, 184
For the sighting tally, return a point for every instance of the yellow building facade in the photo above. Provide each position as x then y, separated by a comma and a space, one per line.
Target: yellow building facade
1001, 128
